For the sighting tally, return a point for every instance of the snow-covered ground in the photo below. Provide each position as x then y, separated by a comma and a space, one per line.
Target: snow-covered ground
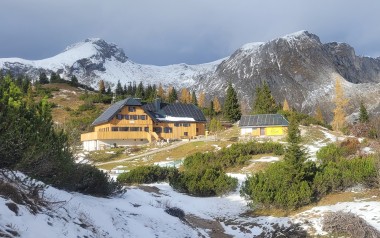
140, 212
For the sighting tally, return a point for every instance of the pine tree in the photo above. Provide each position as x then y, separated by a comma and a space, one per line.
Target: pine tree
140, 91
43, 79
102, 87
340, 104
286, 107
217, 106
194, 98
295, 156
119, 89
363, 114
231, 109
211, 110
130, 90
202, 99
74, 81
109, 91
172, 97
264, 102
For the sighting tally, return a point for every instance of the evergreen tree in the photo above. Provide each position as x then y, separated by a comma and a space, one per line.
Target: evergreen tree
74, 81
102, 87
231, 109
363, 114
172, 97
43, 79
130, 90
140, 91
119, 89
194, 99
125, 90
211, 110
55, 78
341, 102
134, 88
109, 91
264, 102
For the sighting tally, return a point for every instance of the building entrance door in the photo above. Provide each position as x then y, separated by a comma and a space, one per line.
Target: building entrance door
262, 131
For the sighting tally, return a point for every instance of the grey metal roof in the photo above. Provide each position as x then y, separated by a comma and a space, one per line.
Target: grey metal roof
263, 120
108, 114
174, 110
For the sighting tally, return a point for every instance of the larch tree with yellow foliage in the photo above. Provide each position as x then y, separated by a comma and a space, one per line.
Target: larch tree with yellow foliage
217, 106
286, 107
201, 99
319, 115
161, 92
341, 102
185, 96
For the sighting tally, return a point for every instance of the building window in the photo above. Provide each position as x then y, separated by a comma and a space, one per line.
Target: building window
123, 128
168, 130
177, 124
135, 129
157, 129
142, 117
197, 130
134, 117
186, 133
126, 117
186, 124
119, 116
146, 129
131, 109
115, 129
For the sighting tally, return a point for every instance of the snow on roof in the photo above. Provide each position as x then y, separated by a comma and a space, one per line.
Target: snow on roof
170, 118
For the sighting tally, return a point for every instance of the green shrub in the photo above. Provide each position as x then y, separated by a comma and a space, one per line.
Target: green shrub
329, 153
88, 179
204, 183
147, 174
276, 187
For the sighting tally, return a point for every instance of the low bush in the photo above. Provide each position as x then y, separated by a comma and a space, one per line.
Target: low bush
147, 174
204, 183
236, 155
346, 224
88, 179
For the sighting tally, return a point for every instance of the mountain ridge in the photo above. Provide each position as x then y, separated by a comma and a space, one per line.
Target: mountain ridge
297, 66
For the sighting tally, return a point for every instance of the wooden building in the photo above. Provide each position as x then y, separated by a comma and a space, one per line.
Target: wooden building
263, 125
130, 122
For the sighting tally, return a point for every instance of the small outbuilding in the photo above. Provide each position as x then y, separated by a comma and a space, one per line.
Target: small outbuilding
263, 125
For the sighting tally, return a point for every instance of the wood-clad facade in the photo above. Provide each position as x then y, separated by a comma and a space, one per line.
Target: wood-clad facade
129, 122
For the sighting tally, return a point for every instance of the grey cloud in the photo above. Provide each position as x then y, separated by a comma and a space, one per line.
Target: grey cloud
191, 31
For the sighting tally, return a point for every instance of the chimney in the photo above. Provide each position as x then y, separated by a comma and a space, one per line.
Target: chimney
157, 104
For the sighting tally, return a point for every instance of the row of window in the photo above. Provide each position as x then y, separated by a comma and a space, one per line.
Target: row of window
131, 117
146, 129
181, 124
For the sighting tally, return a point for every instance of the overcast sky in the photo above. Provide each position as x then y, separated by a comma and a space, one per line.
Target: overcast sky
165, 32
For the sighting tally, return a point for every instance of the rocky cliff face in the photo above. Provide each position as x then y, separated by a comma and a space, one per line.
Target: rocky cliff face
301, 69
297, 67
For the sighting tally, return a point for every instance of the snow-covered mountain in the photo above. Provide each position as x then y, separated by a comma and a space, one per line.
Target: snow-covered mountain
297, 67
301, 69
94, 59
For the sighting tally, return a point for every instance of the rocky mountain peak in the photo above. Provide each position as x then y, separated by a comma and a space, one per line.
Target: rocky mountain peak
101, 48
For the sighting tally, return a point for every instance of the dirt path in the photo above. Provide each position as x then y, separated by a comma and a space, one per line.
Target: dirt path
172, 146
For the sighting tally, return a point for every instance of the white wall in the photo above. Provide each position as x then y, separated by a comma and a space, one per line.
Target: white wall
106, 144
245, 130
